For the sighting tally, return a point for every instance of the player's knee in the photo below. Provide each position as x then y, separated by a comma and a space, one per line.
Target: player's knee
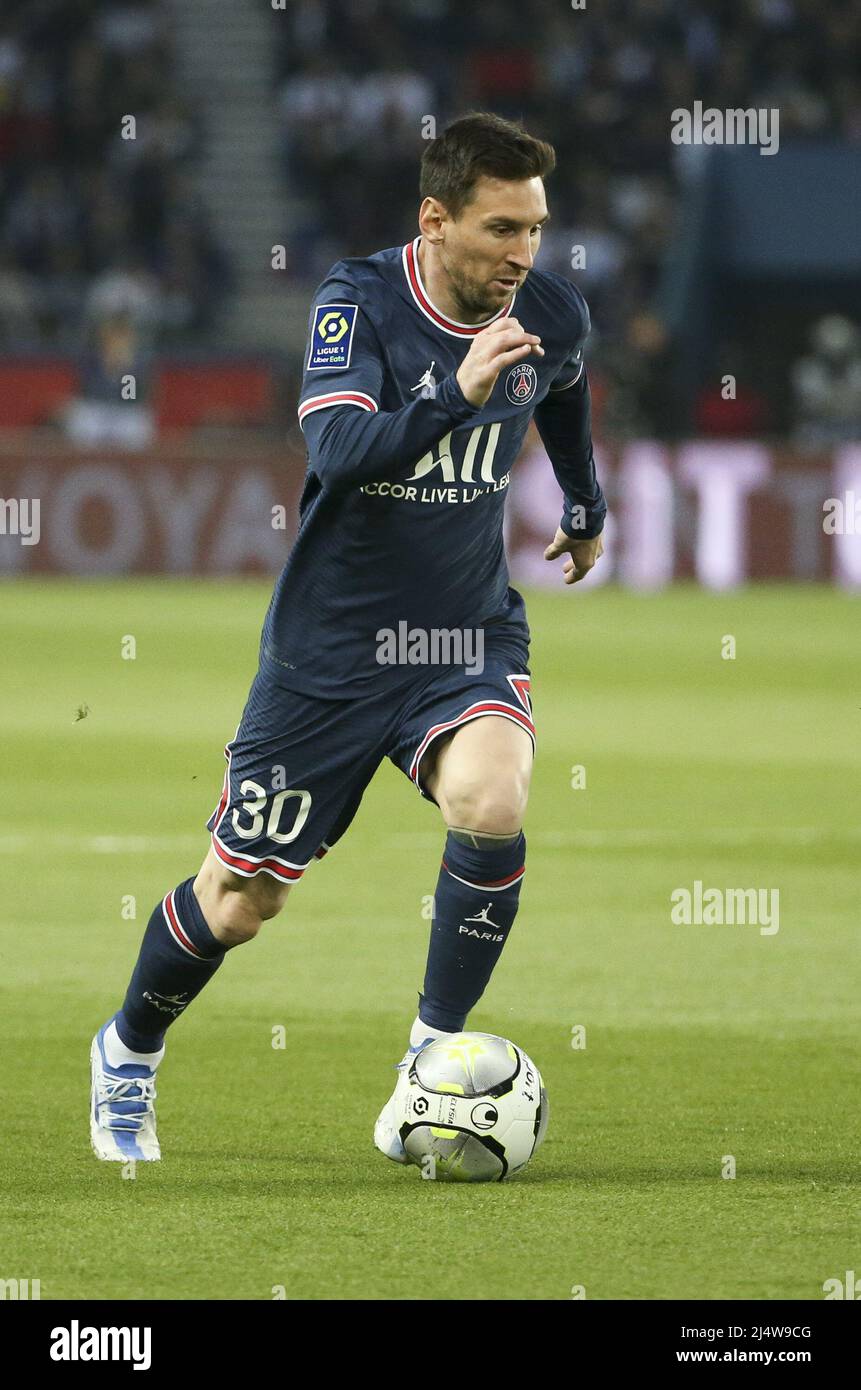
490, 807
235, 908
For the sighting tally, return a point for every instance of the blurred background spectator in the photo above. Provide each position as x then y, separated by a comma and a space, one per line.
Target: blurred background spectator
112, 407
827, 384
87, 198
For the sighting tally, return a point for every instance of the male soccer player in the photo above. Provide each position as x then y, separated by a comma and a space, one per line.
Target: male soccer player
425, 365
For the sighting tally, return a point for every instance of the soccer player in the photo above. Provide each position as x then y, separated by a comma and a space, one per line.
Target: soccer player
392, 630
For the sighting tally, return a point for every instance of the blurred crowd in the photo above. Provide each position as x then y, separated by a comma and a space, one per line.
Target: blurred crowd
99, 217
106, 249
359, 78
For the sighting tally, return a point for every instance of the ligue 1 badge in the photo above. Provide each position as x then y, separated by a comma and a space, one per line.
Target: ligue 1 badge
521, 383
332, 336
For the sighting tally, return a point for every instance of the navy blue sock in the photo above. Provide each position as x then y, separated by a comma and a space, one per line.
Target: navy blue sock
475, 905
178, 956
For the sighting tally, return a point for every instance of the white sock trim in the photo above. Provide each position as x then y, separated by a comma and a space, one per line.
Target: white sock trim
421, 1031
119, 1055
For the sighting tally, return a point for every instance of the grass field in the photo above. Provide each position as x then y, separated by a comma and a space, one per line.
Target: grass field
701, 1041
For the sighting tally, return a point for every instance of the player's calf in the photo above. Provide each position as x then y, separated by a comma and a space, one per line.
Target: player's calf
185, 942
480, 780
235, 907
475, 902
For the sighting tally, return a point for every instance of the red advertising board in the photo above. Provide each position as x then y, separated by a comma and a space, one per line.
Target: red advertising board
720, 512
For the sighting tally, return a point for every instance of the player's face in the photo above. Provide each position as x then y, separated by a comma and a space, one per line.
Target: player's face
489, 249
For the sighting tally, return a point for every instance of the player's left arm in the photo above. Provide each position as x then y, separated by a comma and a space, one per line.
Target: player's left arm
564, 422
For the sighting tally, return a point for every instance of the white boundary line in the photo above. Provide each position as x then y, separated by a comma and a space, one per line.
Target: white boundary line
628, 838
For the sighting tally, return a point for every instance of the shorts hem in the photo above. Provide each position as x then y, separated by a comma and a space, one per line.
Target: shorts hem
250, 865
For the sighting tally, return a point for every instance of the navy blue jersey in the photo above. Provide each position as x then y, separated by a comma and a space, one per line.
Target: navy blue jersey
402, 509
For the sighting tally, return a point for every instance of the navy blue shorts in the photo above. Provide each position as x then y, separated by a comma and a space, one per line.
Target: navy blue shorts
298, 766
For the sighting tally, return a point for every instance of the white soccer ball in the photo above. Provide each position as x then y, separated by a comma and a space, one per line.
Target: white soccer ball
474, 1109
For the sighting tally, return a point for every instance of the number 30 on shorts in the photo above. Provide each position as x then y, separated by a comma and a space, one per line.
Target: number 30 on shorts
255, 807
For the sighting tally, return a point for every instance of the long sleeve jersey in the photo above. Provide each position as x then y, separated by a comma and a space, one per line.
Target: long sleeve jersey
401, 515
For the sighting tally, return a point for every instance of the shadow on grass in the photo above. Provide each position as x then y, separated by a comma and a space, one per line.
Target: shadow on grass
201, 1173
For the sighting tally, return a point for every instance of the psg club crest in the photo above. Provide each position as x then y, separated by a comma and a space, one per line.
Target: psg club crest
521, 384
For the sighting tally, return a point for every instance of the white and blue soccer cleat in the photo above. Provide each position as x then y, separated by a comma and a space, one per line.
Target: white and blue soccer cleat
122, 1107
386, 1136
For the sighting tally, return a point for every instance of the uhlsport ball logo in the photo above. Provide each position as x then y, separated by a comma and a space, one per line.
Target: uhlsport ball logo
521, 383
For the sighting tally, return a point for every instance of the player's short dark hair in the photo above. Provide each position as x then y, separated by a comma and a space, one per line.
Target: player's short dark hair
480, 143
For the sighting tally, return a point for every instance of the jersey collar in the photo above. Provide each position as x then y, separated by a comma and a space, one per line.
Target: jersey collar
410, 258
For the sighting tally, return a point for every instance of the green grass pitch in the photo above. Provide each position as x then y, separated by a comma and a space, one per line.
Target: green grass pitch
701, 1041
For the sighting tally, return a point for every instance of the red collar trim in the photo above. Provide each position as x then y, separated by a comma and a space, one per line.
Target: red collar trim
410, 259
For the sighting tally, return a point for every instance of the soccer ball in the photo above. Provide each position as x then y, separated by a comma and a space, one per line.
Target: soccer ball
474, 1109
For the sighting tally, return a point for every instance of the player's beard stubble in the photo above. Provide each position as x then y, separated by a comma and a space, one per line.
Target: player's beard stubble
472, 288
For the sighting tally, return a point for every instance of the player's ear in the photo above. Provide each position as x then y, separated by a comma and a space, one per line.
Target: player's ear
432, 216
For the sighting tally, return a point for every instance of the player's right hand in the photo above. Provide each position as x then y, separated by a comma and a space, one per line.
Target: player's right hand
498, 346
